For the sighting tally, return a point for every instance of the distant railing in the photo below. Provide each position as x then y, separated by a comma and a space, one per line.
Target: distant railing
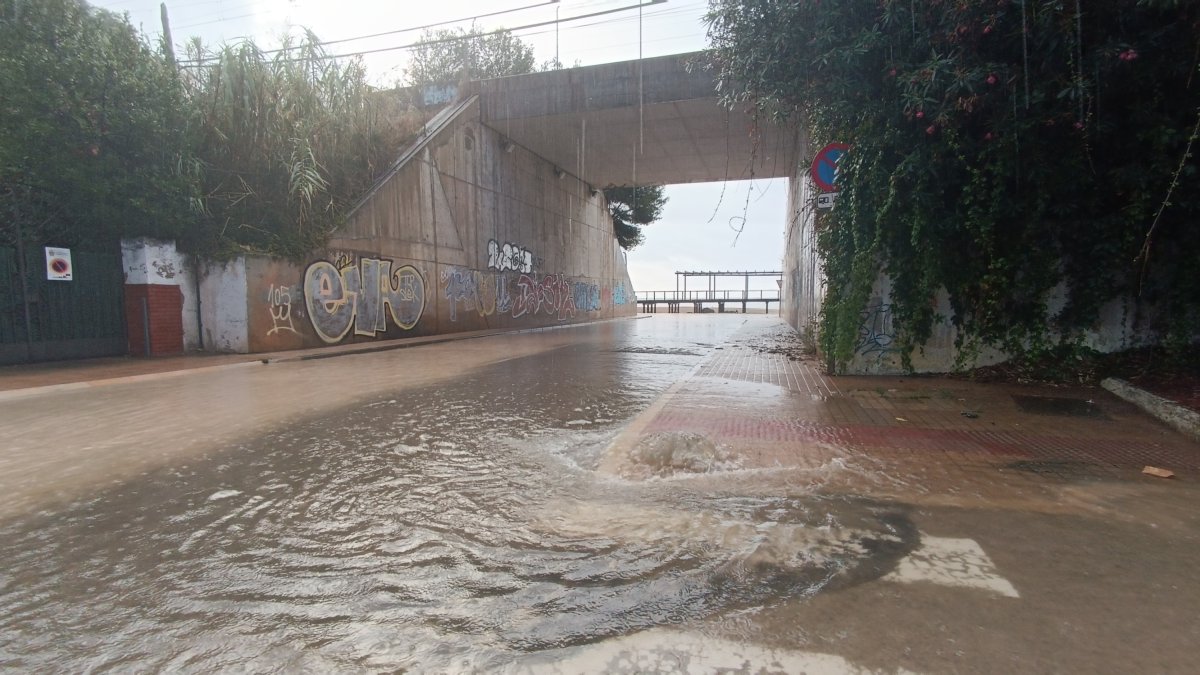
708, 296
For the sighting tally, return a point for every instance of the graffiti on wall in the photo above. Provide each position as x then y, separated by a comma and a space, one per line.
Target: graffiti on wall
356, 296
552, 295
518, 295
587, 296
483, 292
620, 297
279, 301
509, 258
876, 336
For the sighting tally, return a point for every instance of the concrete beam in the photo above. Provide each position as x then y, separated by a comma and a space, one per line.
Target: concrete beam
654, 121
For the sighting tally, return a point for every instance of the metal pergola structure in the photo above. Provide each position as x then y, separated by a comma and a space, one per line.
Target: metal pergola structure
712, 278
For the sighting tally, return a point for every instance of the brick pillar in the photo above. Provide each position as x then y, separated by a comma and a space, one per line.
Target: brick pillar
158, 310
153, 298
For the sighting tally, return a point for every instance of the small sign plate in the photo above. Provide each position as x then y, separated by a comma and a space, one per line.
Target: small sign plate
825, 200
58, 264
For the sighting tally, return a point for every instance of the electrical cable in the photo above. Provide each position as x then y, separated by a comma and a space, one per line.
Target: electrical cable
424, 27
194, 62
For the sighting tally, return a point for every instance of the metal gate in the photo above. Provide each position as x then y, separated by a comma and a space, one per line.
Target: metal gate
43, 320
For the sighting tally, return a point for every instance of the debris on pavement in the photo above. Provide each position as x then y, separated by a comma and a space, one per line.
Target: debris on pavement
1155, 471
970, 414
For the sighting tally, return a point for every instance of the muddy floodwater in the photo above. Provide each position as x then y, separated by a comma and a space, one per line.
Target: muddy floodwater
454, 526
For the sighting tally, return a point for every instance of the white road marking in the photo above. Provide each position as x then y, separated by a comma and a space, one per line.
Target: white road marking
667, 651
952, 562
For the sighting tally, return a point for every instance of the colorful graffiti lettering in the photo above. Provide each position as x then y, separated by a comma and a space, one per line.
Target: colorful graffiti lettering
279, 299
619, 296
484, 292
460, 287
355, 295
552, 295
489, 293
509, 257
587, 297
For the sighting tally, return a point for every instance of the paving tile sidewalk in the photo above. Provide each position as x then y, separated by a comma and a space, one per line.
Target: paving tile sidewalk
768, 410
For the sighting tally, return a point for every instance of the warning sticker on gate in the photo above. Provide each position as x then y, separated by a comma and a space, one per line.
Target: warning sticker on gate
58, 264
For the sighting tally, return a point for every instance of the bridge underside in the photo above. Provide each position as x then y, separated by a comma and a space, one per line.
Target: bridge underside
636, 123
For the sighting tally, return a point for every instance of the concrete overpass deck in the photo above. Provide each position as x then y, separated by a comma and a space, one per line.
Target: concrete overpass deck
653, 121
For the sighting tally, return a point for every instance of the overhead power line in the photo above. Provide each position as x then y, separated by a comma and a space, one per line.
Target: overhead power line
392, 32
439, 23
198, 62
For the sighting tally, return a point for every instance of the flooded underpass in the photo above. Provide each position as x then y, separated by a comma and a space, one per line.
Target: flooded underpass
461, 526
674, 494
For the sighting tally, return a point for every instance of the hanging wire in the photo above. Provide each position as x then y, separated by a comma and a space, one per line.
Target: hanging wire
1025, 50
641, 91
725, 182
1079, 54
514, 30
1144, 254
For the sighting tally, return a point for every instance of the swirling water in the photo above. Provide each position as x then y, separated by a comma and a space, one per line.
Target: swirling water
460, 527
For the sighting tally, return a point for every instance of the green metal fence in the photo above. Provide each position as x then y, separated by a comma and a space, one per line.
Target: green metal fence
66, 319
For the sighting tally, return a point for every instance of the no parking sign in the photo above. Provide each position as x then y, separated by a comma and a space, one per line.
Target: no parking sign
824, 166
58, 264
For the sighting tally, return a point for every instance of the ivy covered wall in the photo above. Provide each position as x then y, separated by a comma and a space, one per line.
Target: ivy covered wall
1021, 171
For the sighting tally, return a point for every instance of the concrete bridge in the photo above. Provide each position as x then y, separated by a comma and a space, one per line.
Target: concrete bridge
494, 218
651, 122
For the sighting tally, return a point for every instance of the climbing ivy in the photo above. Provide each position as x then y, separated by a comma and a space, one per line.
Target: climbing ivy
1006, 151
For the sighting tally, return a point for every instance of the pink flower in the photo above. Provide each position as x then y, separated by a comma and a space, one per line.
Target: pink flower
892, 72
920, 114
1079, 125
987, 30
931, 129
1128, 55
991, 79
988, 136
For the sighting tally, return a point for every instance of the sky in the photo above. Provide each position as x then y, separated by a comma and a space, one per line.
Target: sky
697, 229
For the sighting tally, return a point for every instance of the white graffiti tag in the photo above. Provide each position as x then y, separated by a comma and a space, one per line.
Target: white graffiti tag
509, 257
280, 300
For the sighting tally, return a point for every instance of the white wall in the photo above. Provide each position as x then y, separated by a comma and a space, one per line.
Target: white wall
223, 307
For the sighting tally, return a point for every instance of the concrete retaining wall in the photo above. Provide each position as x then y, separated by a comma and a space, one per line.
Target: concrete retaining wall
803, 283
471, 232
877, 350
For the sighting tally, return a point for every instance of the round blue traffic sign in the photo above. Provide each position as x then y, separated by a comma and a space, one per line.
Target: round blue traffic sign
824, 166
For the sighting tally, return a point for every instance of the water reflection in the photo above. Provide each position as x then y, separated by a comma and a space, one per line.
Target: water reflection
457, 527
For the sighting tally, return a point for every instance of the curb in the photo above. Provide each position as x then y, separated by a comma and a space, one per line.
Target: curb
366, 348
27, 392
1182, 419
402, 343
